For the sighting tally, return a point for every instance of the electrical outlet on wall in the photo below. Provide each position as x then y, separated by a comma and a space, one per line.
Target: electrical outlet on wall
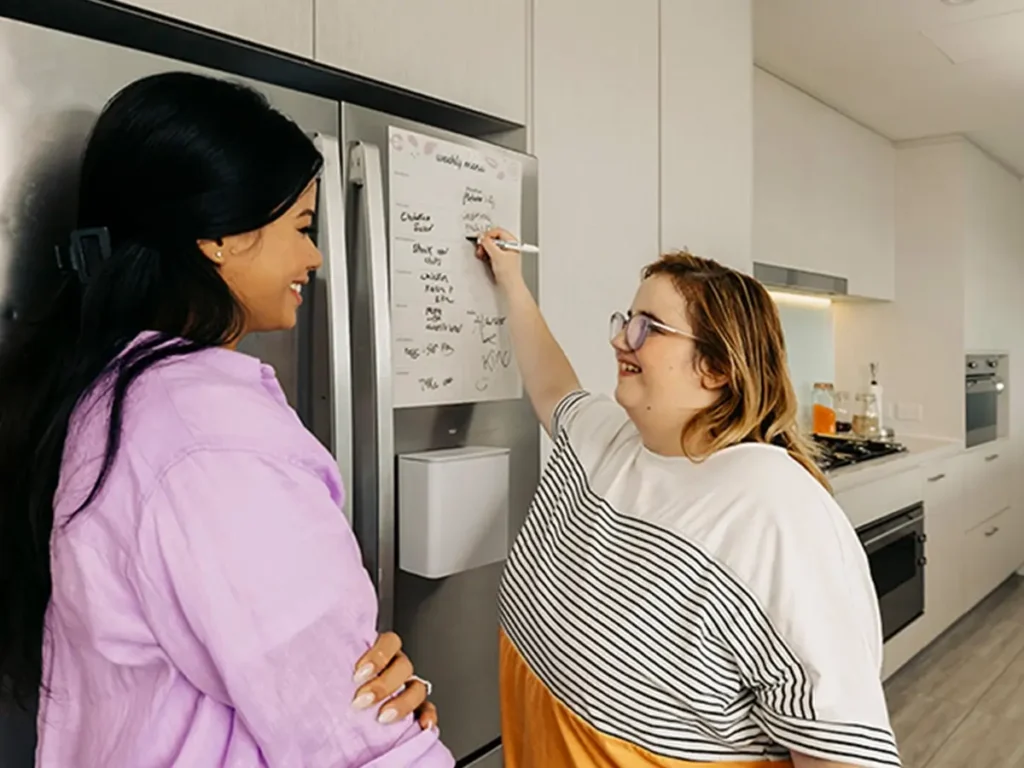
909, 412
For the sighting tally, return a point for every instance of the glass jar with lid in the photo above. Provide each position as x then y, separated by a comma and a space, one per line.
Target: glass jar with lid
823, 410
865, 420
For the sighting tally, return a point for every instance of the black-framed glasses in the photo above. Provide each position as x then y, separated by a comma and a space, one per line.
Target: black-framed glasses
636, 328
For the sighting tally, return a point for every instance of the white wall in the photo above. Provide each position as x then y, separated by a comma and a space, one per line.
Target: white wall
810, 348
707, 129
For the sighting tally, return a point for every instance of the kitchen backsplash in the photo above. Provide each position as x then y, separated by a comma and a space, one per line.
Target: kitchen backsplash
810, 346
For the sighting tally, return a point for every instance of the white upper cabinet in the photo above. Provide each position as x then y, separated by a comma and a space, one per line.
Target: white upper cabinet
824, 191
993, 254
284, 25
594, 130
464, 52
785, 199
707, 161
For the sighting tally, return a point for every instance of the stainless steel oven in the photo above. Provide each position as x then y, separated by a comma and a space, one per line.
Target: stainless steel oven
895, 549
984, 393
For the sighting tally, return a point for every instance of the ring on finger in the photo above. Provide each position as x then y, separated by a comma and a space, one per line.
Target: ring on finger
426, 683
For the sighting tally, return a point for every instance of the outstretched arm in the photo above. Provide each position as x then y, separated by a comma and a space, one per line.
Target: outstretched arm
547, 374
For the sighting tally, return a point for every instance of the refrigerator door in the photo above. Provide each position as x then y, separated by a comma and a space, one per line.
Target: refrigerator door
448, 625
53, 85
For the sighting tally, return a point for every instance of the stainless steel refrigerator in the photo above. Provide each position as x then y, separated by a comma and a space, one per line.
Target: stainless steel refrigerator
339, 367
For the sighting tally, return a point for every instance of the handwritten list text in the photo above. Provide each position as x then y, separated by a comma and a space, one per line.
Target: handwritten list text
449, 335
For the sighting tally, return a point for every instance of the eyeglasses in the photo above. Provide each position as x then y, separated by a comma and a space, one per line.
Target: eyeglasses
637, 327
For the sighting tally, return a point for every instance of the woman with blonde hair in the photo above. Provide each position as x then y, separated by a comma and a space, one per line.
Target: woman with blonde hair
685, 589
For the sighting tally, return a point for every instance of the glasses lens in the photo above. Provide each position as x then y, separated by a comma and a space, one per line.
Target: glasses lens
636, 331
618, 322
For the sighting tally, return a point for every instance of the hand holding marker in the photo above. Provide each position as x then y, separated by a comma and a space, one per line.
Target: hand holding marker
498, 249
507, 245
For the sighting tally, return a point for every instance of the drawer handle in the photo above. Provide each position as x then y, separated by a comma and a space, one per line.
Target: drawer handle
993, 532
993, 457
937, 478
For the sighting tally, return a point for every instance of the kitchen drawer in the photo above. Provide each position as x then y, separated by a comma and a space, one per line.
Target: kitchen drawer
986, 484
943, 489
989, 555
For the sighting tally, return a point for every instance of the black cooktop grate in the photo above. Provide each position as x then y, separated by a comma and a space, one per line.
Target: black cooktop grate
836, 452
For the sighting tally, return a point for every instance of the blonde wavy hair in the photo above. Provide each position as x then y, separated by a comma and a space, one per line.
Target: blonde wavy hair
739, 339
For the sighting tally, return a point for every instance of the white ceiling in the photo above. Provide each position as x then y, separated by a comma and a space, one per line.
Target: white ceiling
908, 69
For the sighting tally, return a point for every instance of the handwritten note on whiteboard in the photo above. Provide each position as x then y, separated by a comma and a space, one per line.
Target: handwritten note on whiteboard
450, 341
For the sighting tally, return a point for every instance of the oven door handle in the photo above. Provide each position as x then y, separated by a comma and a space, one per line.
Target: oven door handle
876, 542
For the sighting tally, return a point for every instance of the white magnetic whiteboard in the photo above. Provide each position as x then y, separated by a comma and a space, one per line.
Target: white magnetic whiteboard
450, 343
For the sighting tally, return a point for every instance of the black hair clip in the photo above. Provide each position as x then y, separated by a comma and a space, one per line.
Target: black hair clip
87, 249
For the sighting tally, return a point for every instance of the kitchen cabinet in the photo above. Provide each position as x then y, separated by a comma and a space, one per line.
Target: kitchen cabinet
284, 25
987, 482
707, 158
975, 539
943, 499
993, 253
595, 134
988, 551
824, 191
461, 51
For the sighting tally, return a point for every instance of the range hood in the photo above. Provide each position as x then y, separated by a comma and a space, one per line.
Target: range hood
799, 280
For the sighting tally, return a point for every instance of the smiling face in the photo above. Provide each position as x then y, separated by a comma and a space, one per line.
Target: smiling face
268, 269
661, 384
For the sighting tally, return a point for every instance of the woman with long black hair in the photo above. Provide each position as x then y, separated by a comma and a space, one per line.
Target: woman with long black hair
175, 573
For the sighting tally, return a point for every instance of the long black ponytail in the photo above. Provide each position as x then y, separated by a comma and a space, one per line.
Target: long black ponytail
173, 159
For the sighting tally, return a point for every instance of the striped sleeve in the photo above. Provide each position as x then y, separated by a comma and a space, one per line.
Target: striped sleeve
568, 409
816, 671
592, 423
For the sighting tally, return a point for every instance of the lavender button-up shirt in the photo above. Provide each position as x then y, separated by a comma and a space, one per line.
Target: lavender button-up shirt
209, 607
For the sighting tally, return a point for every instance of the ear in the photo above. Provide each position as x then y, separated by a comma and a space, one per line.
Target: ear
710, 380
213, 250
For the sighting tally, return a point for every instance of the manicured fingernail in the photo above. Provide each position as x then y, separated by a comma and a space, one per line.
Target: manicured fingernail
363, 701
363, 674
388, 716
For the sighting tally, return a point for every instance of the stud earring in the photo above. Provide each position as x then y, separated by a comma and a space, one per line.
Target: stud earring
220, 256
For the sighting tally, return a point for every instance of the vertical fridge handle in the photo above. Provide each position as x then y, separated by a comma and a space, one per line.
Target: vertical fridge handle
331, 241
366, 172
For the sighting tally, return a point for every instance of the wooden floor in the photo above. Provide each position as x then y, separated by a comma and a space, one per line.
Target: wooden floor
960, 704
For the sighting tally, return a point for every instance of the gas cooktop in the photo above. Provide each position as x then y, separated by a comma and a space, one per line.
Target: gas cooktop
836, 452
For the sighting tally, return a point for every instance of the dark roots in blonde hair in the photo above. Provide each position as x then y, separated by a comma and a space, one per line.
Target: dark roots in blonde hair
740, 340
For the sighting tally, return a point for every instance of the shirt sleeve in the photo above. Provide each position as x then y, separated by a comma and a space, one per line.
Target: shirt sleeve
592, 423
254, 586
814, 663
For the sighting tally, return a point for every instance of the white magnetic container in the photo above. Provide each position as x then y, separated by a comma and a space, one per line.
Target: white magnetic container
452, 510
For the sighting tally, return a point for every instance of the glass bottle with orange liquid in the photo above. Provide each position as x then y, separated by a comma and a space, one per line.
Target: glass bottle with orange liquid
823, 410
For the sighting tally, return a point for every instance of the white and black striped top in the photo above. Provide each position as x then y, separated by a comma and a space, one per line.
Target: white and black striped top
706, 612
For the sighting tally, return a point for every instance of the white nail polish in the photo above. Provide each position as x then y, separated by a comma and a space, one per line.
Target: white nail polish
388, 716
363, 674
363, 701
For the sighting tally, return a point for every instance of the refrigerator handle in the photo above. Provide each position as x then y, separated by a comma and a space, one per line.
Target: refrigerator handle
366, 172
331, 241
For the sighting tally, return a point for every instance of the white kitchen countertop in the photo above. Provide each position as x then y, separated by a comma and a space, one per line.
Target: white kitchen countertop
920, 450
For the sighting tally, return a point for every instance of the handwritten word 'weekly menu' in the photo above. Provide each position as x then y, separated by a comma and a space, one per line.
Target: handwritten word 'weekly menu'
450, 339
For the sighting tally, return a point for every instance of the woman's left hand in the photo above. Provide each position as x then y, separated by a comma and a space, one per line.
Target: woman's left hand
385, 670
